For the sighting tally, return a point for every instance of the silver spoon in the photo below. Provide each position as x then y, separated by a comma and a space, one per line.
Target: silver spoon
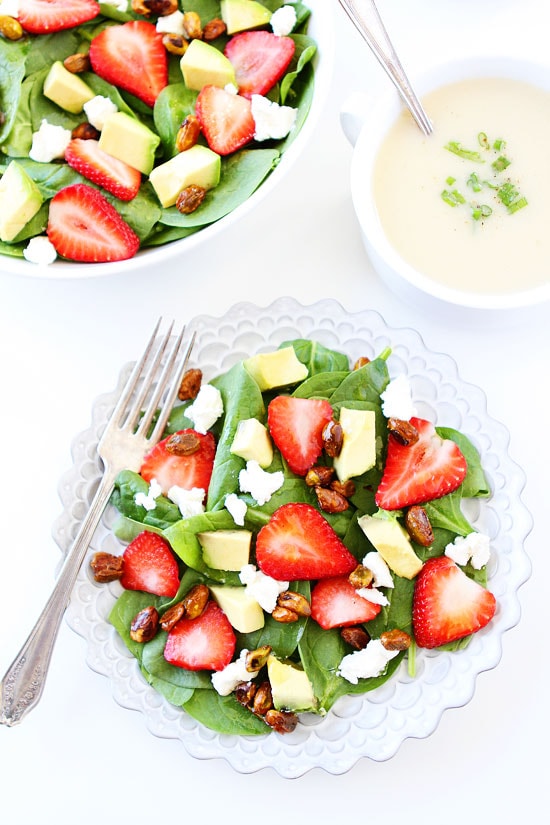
377, 37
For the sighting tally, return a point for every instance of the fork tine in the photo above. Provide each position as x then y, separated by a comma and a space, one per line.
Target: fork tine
175, 385
149, 378
155, 399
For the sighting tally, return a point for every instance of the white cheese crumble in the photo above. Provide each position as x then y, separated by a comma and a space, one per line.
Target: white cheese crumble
98, 109
472, 548
236, 508
120, 5
363, 664
382, 576
272, 121
40, 250
372, 594
225, 681
10, 8
259, 483
49, 143
283, 20
149, 499
171, 23
231, 88
262, 588
190, 502
206, 408
396, 399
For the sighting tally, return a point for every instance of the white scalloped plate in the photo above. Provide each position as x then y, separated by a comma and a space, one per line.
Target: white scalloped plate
372, 726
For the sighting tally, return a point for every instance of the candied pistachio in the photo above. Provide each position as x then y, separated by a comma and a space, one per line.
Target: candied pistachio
263, 700
291, 600
195, 601
418, 525
355, 636
331, 501
77, 63
213, 29
245, 693
185, 443
282, 721
10, 28
345, 488
395, 639
319, 475
106, 567
188, 133
172, 616
404, 432
85, 131
144, 624
284, 615
361, 576
192, 25
361, 362
256, 659
333, 438
159, 8
175, 43
190, 385
190, 198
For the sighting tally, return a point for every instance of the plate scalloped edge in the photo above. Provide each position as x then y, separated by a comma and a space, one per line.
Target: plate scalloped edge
374, 725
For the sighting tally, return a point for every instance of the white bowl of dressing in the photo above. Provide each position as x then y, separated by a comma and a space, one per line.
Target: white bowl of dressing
438, 221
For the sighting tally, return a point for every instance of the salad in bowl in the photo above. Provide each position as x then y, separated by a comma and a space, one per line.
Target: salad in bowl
134, 129
313, 548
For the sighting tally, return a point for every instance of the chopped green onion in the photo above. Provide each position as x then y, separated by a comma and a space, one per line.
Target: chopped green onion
501, 163
499, 145
519, 204
511, 198
483, 211
474, 182
483, 140
452, 198
468, 154
450, 181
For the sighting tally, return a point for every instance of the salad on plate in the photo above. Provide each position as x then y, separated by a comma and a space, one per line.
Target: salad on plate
130, 124
298, 532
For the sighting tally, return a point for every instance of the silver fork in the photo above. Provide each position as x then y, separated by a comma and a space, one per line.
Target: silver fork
124, 442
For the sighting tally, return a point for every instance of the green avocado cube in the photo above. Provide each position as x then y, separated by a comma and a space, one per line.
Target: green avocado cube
241, 15
205, 65
20, 200
126, 138
198, 165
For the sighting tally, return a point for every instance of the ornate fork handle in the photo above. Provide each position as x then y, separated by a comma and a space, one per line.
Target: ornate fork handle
23, 683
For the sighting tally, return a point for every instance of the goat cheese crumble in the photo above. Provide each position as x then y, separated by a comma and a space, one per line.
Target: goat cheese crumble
149, 499
49, 143
262, 588
259, 483
98, 109
366, 663
272, 121
225, 681
283, 20
190, 502
40, 250
397, 399
171, 23
205, 409
236, 508
472, 548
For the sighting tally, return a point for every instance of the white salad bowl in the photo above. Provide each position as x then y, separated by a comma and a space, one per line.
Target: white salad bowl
366, 123
321, 29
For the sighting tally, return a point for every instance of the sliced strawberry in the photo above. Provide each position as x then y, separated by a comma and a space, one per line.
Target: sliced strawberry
47, 16
187, 471
299, 543
84, 226
429, 468
225, 119
296, 426
447, 604
260, 59
150, 565
110, 173
335, 603
132, 56
205, 643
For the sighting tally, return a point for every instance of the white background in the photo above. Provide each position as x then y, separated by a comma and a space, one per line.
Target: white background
79, 757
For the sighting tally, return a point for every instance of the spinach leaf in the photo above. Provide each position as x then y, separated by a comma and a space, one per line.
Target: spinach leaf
224, 714
127, 485
13, 56
318, 358
305, 51
172, 106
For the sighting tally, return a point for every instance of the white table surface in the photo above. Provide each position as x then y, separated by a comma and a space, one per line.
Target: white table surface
79, 757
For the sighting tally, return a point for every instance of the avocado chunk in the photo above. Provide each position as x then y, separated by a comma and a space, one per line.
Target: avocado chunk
358, 453
198, 165
290, 686
126, 138
66, 89
20, 200
252, 442
240, 15
225, 549
392, 542
244, 612
276, 369
205, 65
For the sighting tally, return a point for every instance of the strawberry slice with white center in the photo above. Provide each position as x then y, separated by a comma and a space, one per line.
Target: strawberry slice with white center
150, 565
132, 57
83, 226
260, 59
205, 643
173, 469
225, 119
110, 173
419, 472
296, 426
299, 543
336, 603
47, 16
447, 604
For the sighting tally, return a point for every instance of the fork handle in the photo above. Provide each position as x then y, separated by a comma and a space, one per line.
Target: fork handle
23, 682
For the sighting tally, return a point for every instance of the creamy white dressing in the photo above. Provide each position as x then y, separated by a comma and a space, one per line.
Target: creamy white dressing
502, 253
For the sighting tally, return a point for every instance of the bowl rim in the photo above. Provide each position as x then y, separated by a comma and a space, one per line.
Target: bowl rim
321, 28
381, 116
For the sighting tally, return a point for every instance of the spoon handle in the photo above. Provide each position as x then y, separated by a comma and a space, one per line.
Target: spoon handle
374, 32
